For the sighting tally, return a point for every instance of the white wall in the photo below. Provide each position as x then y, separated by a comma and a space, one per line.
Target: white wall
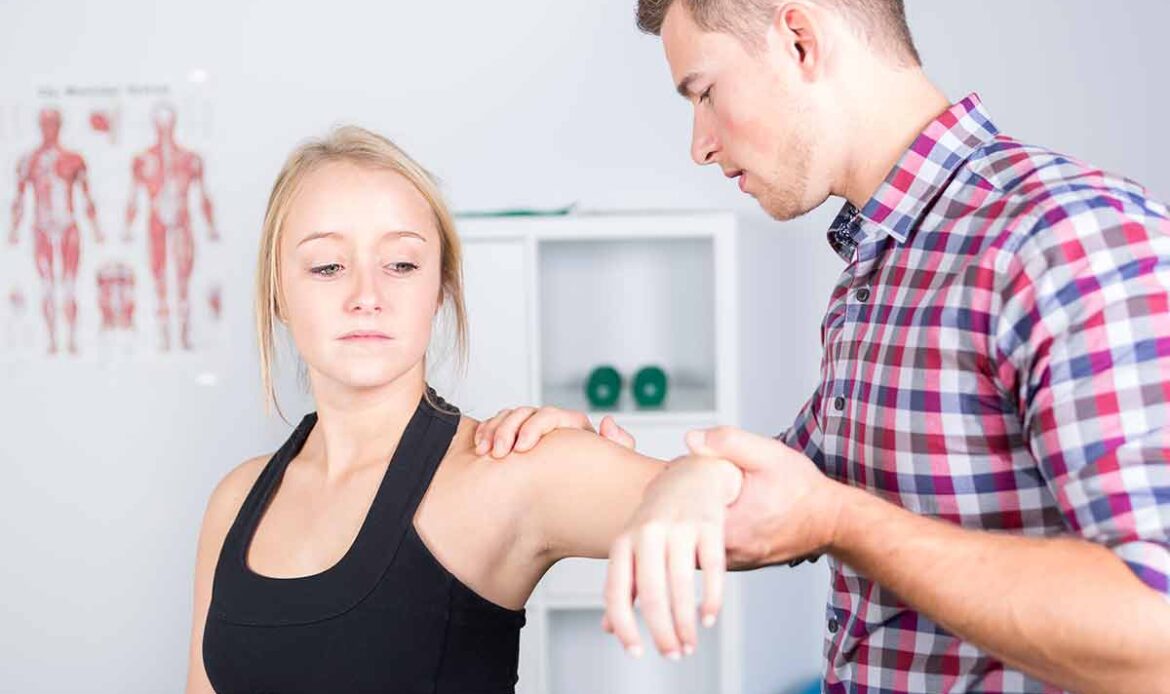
104, 471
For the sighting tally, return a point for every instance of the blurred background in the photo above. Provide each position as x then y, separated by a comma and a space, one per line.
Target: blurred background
107, 457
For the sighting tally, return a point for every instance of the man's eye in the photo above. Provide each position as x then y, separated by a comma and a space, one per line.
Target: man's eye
328, 270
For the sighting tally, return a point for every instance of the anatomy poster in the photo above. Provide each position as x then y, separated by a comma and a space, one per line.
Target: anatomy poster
111, 238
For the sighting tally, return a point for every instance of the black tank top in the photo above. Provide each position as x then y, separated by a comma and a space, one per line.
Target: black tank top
386, 618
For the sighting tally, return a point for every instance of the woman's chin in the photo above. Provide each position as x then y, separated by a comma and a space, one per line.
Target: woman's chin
365, 372
366, 377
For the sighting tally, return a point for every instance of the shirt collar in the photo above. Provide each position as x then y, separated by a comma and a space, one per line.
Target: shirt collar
919, 177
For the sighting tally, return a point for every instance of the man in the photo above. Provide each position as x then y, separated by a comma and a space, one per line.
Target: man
53, 173
167, 172
985, 460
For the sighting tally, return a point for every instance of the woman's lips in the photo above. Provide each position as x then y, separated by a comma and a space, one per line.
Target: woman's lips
364, 335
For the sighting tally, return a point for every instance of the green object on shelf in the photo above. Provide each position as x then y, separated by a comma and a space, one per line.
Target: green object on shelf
650, 386
603, 387
519, 212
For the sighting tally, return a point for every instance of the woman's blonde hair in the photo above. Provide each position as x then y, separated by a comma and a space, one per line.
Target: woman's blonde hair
361, 147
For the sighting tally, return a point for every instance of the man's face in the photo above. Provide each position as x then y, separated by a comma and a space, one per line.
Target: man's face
756, 114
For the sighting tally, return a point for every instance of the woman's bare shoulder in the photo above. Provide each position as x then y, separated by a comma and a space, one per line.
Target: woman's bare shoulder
228, 495
467, 480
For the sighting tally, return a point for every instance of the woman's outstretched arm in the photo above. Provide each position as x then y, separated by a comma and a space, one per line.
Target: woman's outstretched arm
583, 491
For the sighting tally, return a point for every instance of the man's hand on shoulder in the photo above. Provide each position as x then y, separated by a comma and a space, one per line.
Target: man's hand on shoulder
520, 429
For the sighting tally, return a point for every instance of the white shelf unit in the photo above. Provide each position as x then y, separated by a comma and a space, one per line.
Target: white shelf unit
550, 298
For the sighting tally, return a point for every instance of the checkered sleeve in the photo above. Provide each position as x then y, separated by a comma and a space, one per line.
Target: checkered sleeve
804, 434
1083, 341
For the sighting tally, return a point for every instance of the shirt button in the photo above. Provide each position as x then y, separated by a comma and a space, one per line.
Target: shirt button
833, 625
862, 294
839, 403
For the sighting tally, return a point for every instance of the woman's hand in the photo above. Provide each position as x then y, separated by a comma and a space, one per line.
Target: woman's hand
788, 508
680, 522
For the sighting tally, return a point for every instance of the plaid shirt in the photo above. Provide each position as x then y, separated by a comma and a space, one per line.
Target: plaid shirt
996, 355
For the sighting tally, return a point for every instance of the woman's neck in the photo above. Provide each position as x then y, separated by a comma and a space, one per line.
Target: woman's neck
356, 428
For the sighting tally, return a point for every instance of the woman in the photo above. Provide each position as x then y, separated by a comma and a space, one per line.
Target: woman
376, 550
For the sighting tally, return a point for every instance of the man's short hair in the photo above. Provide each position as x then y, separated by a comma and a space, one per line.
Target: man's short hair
881, 22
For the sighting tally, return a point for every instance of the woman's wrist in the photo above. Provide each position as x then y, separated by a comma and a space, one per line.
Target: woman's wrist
721, 474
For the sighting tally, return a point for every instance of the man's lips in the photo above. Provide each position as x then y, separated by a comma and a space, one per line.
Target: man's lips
737, 173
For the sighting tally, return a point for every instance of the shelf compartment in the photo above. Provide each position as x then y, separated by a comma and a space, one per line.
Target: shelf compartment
629, 303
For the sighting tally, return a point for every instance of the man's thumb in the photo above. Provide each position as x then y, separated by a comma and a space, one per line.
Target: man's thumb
609, 429
747, 450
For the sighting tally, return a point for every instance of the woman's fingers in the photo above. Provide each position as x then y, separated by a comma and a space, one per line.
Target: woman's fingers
650, 546
619, 596
713, 563
681, 548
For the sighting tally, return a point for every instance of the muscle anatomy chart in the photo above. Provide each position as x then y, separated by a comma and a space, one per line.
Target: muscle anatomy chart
168, 174
80, 161
52, 177
115, 284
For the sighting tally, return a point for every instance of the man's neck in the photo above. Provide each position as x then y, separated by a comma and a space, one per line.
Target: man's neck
894, 108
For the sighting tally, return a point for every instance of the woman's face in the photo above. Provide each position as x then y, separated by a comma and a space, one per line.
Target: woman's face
360, 274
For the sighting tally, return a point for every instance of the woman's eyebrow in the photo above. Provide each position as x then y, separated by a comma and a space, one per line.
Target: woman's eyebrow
397, 234
318, 235
406, 234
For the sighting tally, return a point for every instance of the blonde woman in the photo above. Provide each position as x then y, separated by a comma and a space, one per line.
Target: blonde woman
377, 550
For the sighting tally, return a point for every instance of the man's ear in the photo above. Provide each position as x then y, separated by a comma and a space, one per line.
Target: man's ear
798, 30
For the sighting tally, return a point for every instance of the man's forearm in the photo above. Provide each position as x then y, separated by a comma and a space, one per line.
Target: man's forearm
1062, 609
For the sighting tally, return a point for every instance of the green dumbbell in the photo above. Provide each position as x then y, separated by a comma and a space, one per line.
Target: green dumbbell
603, 387
650, 386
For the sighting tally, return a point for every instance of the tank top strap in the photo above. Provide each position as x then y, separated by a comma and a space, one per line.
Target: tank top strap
430, 450
241, 596
264, 486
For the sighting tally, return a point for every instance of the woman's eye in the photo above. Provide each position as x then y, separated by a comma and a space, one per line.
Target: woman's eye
402, 268
327, 270
706, 95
